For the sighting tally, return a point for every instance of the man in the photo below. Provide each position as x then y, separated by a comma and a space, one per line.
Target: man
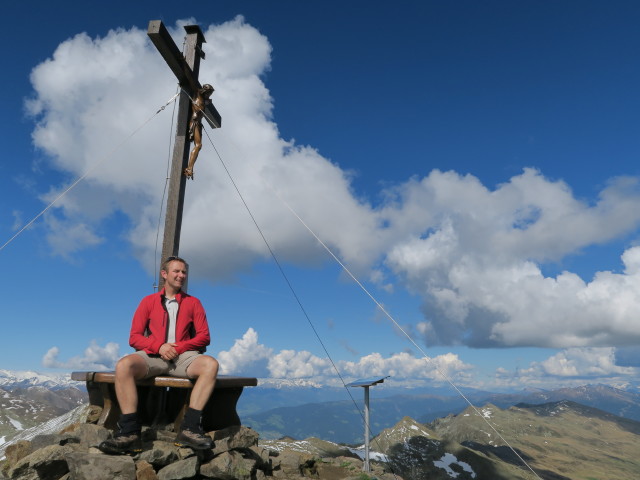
169, 332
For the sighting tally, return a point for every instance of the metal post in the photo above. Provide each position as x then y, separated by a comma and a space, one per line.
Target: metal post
366, 466
366, 383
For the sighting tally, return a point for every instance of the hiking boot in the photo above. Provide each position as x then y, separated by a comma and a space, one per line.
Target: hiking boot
194, 439
118, 444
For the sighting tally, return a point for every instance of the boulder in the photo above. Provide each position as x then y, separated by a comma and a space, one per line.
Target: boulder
89, 435
100, 467
16, 452
40, 441
291, 462
234, 437
160, 454
229, 466
181, 469
145, 471
47, 463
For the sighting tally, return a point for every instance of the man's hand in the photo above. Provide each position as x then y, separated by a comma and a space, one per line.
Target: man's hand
168, 351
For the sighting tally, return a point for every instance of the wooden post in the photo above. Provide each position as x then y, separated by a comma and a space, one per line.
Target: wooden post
186, 69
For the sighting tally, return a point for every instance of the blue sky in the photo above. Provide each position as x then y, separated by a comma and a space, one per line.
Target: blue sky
474, 165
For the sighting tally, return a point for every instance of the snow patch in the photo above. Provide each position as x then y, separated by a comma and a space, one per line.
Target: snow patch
377, 456
16, 424
449, 459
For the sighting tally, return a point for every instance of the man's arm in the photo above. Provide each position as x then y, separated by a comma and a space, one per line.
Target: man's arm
139, 324
201, 337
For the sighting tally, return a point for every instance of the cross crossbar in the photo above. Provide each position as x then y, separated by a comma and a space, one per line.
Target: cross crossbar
161, 38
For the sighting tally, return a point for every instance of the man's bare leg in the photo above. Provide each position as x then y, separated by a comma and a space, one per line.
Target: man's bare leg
127, 438
205, 370
128, 370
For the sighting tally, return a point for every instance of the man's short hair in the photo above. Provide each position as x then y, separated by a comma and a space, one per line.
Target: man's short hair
166, 263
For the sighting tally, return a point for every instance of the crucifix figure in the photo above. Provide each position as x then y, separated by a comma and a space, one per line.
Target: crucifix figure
195, 125
186, 69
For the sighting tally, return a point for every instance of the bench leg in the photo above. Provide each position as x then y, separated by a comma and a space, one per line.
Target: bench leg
220, 410
156, 401
218, 413
111, 408
186, 398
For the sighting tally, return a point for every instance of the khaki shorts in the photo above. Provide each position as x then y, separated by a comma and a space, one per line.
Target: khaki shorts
175, 368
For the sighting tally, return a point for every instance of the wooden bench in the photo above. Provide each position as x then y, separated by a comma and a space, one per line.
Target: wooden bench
163, 400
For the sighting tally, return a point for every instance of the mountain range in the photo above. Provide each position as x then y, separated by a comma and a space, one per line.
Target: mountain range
556, 441
341, 421
28, 399
560, 440
589, 433
278, 409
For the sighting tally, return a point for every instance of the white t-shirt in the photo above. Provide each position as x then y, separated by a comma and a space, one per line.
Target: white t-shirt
172, 309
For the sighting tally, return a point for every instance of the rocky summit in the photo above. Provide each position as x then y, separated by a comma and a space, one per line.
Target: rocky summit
72, 454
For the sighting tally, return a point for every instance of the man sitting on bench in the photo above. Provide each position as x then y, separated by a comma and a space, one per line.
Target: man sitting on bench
169, 332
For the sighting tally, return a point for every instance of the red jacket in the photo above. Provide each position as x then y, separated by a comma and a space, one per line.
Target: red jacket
151, 322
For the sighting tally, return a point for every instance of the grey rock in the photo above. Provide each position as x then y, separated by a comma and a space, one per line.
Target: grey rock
234, 437
229, 466
49, 462
17, 451
263, 458
46, 463
291, 462
180, 470
87, 466
27, 475
93, 413
40, 441
22, 471
185, 452
160, 454
90, 435
145, 471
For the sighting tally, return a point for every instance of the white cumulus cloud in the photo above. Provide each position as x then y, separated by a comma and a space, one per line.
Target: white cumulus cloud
582, 362
249, 357
95, 357
571, 367
246, 356
477, 261
473, 254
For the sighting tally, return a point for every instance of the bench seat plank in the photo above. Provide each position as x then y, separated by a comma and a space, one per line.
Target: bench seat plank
223, 381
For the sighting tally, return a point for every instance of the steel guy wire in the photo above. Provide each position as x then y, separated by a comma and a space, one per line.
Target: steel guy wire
87, 172
368, 293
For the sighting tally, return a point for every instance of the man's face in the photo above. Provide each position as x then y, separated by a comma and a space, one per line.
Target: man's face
175, 274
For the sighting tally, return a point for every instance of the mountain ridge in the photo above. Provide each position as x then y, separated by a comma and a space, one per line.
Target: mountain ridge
338, 420
285, 408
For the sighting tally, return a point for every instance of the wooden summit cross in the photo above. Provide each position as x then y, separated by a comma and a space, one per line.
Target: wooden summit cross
186, 69
166, 399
